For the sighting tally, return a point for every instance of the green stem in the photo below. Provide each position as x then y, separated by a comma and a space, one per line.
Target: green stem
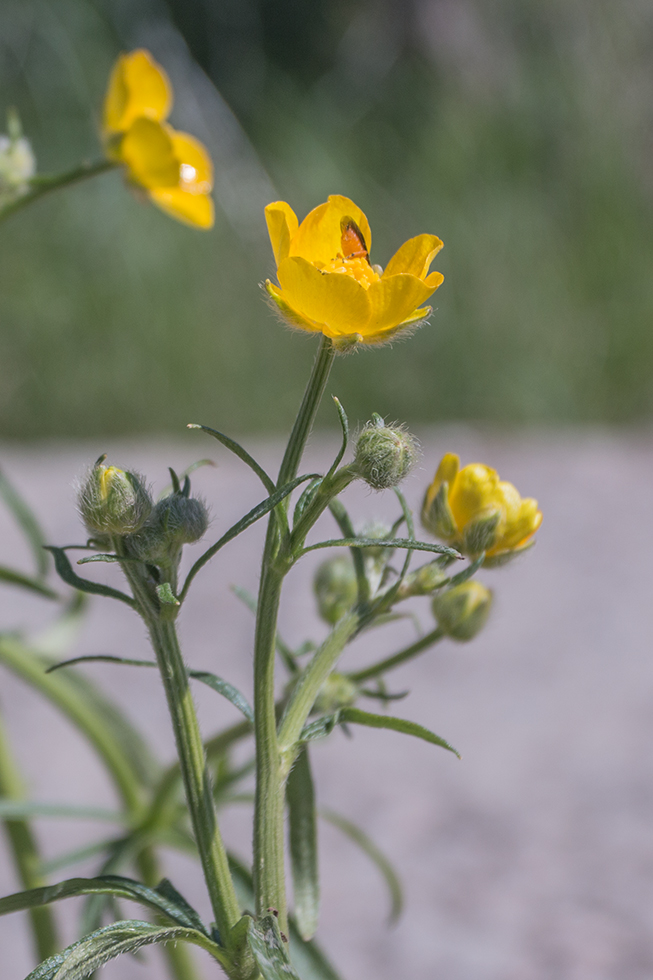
25, 853
40, 186
304, 695
398, 658
269, 871
192, 761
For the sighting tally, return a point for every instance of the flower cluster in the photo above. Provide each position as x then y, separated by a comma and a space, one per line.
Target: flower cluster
326, 280
477, 512
173, 168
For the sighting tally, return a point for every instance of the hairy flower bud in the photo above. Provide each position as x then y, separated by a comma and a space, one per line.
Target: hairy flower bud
335, 588
338, 691
176, 520
114, 501
384, 454
462, 612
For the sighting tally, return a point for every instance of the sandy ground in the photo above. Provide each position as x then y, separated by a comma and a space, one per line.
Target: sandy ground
530, 859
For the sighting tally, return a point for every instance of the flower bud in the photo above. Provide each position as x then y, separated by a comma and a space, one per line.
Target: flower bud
17, 162
384, 454
335, 588
338, 691
114, 501
176, 520
462, 612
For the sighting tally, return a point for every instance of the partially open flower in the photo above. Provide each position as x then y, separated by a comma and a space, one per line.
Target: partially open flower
326, 281
173, 168
475, 510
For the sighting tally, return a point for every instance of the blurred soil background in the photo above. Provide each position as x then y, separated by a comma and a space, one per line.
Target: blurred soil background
520, 132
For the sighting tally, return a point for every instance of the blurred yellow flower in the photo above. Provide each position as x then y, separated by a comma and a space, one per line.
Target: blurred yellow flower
173, 168
477, 511
326, 281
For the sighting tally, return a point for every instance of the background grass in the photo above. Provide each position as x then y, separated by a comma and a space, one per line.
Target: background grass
519, 132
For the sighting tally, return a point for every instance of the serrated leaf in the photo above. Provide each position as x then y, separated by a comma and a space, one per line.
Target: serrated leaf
11, 577
78, 961
65, 571
357, 717
269, 949
162, 901
300, 796
359, 837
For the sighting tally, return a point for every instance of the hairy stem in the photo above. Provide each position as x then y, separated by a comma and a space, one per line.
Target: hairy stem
398, 658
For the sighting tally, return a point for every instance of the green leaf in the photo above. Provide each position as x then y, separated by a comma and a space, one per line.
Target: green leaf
165, 902
320, 728
27, 522
24, 809
105, 558
344, 425
182, 476
241, 453
344, 522
357, 717
89, 954
216, 683
11, 577
47, 868
269, 949
466, 572
300, 796
250, 518
166, 595
65, 571
226, 689
360, 838
357, 542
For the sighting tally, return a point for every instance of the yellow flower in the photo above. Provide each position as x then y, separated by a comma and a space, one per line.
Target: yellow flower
173, 168
326, 281
477, 511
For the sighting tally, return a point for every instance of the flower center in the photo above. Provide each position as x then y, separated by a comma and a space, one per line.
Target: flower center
358, 268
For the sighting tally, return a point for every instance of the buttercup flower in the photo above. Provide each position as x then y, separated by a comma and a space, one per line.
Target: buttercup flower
173, 168
326, 281
475, 510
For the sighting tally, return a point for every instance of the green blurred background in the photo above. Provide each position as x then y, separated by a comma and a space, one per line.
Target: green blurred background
519, 131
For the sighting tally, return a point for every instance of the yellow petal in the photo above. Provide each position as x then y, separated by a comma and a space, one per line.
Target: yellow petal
335, 301
393, 300
138, 86
415, 257
522, 526
148, 152
292, 317
475, 492
195, 166
319, 237
191, 208
445, 473
282, 225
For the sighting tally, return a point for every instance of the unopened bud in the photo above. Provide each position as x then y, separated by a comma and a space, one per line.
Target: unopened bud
462, 612
114, 501
176, 520
338, 691
17, 162
384, 454
335, 588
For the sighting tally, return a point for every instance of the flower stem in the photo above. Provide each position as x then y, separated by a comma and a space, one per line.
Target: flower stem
398, 658
40, 186
269, 872
25, 853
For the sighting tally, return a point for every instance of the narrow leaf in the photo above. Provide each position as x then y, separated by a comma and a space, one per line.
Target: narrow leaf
357, 717
269, 949
300, 796
250, 518
359, 837
344, 425
11, 577
24, 809
65, 571
467, 572
27, 522
241, 453
47, 868
440, 549
106, 658
161, 901
89, 954
108, 558
185, 474
226, 689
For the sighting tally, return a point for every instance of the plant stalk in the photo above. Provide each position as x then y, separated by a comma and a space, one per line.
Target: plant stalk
40, 186
269, 870
398, 658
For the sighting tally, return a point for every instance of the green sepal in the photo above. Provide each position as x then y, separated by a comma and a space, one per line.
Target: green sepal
504, 557
438, 517
11, 577
270, 950
65, 571
300, 797
481, 534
